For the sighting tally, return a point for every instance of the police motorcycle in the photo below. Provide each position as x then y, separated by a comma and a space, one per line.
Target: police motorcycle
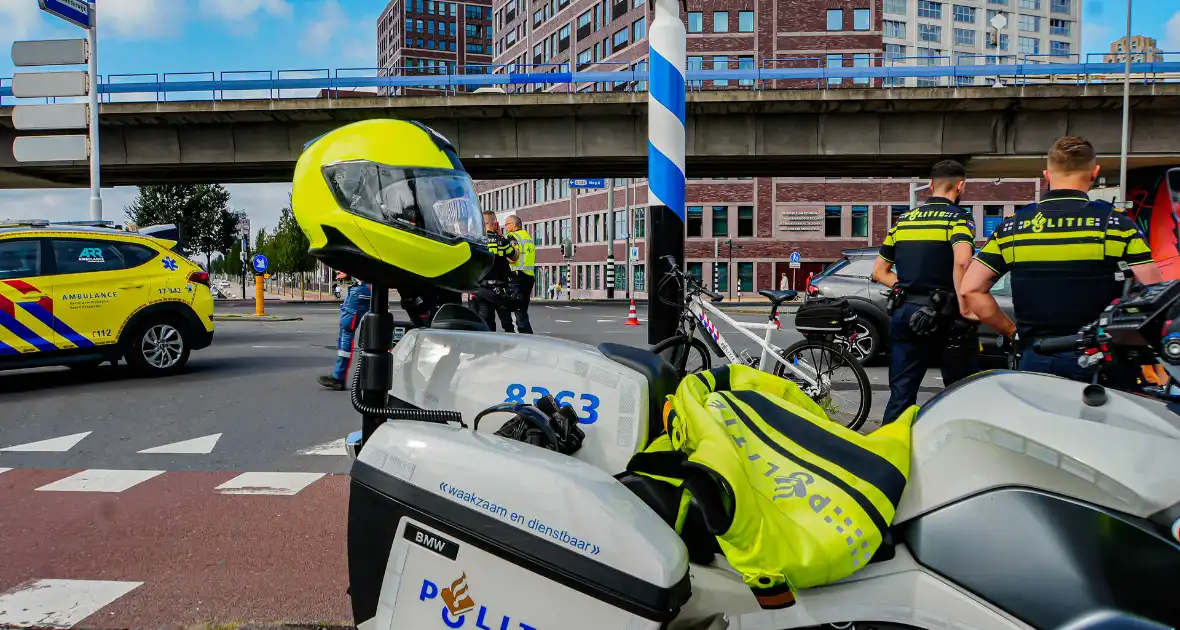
1032, 502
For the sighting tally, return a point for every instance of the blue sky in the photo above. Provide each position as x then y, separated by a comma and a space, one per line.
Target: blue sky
157, 36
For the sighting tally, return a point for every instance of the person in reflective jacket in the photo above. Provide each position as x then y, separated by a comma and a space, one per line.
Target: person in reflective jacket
355, 305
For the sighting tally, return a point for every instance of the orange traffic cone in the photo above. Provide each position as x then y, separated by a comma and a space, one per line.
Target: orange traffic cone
632, 318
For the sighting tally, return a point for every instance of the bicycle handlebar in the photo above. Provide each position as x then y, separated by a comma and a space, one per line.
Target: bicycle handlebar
675, 270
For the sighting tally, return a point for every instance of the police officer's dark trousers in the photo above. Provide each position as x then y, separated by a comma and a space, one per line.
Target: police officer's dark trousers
911, 355
524, 284
489, 303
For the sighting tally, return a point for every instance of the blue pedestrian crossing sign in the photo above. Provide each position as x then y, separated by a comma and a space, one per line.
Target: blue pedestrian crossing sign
795, 257
260, 263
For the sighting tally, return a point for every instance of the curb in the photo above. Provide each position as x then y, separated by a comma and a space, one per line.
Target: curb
233, 317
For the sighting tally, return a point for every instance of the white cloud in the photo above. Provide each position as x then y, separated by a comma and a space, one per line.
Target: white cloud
330, 31
1096, 37
1172, 33
141, 19
261, 201
242, 16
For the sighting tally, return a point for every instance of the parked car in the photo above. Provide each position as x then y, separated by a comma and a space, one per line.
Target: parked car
79, 296
851, 277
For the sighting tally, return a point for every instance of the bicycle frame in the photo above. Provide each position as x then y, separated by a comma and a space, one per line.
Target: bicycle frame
698, 307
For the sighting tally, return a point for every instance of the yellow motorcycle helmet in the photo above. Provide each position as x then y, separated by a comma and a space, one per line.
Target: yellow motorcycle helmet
388, 201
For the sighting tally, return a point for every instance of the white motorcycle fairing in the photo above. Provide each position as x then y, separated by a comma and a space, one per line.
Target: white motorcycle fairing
618, 391
1024, 508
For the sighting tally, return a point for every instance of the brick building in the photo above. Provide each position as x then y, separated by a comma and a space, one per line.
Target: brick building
427, 37
765, 218
1143, 50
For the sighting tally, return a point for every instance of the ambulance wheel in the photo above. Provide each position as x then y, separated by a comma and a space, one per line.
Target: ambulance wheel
157, 347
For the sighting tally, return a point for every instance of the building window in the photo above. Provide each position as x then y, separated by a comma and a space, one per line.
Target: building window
720, 221
861, 60
639, 29
721, 62
745, 276
585, 58
928, 9
597, 277
639, 277
860, 221
1030, 23
1031, 5
835, 19
835, 61
964, 14
721, 272
640, 221
621, 40
1061, 6
930, 32
696, 21
696, 270
1059, 27
1058, 49
745, 21
896, 7
721, 21
1029, 45
860, 19
895, 213
894, 28
695, 222
745, 63
964, 37
894, 52
832, 221
745, 226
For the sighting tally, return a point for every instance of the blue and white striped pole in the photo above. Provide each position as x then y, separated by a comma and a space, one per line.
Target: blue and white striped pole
665, 165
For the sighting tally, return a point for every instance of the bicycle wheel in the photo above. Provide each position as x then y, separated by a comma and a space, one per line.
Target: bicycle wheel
842, 386
688, 357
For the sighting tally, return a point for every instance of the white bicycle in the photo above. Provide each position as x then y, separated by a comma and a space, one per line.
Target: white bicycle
819, 364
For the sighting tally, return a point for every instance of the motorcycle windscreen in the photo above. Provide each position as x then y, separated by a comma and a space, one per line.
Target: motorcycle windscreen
1164, 237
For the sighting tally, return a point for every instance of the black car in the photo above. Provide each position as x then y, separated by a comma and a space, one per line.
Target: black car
851, 277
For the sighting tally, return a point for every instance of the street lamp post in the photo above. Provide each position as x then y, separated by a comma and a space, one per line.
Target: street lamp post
729, 268
1126, 139
665, 164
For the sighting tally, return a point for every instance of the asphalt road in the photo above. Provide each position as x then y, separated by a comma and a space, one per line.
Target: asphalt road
255, 387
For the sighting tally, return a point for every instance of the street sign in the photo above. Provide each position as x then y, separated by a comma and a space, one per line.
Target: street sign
597, 182
795, 265
73, 11
50, 148
50, 84
796, 257
260, 263
998, 21
634, 253
50, 52
38, 117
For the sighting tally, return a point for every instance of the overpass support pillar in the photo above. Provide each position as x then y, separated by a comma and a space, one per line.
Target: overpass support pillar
665, 165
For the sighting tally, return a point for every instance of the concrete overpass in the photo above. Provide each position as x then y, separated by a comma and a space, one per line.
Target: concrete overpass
997, 132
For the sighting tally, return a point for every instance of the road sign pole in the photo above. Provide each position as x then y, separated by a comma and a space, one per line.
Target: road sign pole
258, 296
665, 166
610, 238
629, 279
95, 170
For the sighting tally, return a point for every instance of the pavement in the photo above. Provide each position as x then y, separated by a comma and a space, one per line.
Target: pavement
216, 497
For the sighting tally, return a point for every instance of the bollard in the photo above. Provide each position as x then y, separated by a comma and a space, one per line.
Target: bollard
258, 295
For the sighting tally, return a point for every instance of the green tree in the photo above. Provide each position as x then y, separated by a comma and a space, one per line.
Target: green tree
201, 211
291, 245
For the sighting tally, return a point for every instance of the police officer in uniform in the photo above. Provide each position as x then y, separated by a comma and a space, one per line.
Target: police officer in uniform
931, 246
1065, 255
523, 272
496, 294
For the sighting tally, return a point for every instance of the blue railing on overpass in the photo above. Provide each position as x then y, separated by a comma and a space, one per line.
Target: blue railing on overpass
738, 73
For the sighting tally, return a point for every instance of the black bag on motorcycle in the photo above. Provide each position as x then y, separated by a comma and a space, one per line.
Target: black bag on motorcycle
825, 316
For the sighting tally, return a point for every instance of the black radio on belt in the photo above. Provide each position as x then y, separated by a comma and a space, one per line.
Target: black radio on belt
895, 297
